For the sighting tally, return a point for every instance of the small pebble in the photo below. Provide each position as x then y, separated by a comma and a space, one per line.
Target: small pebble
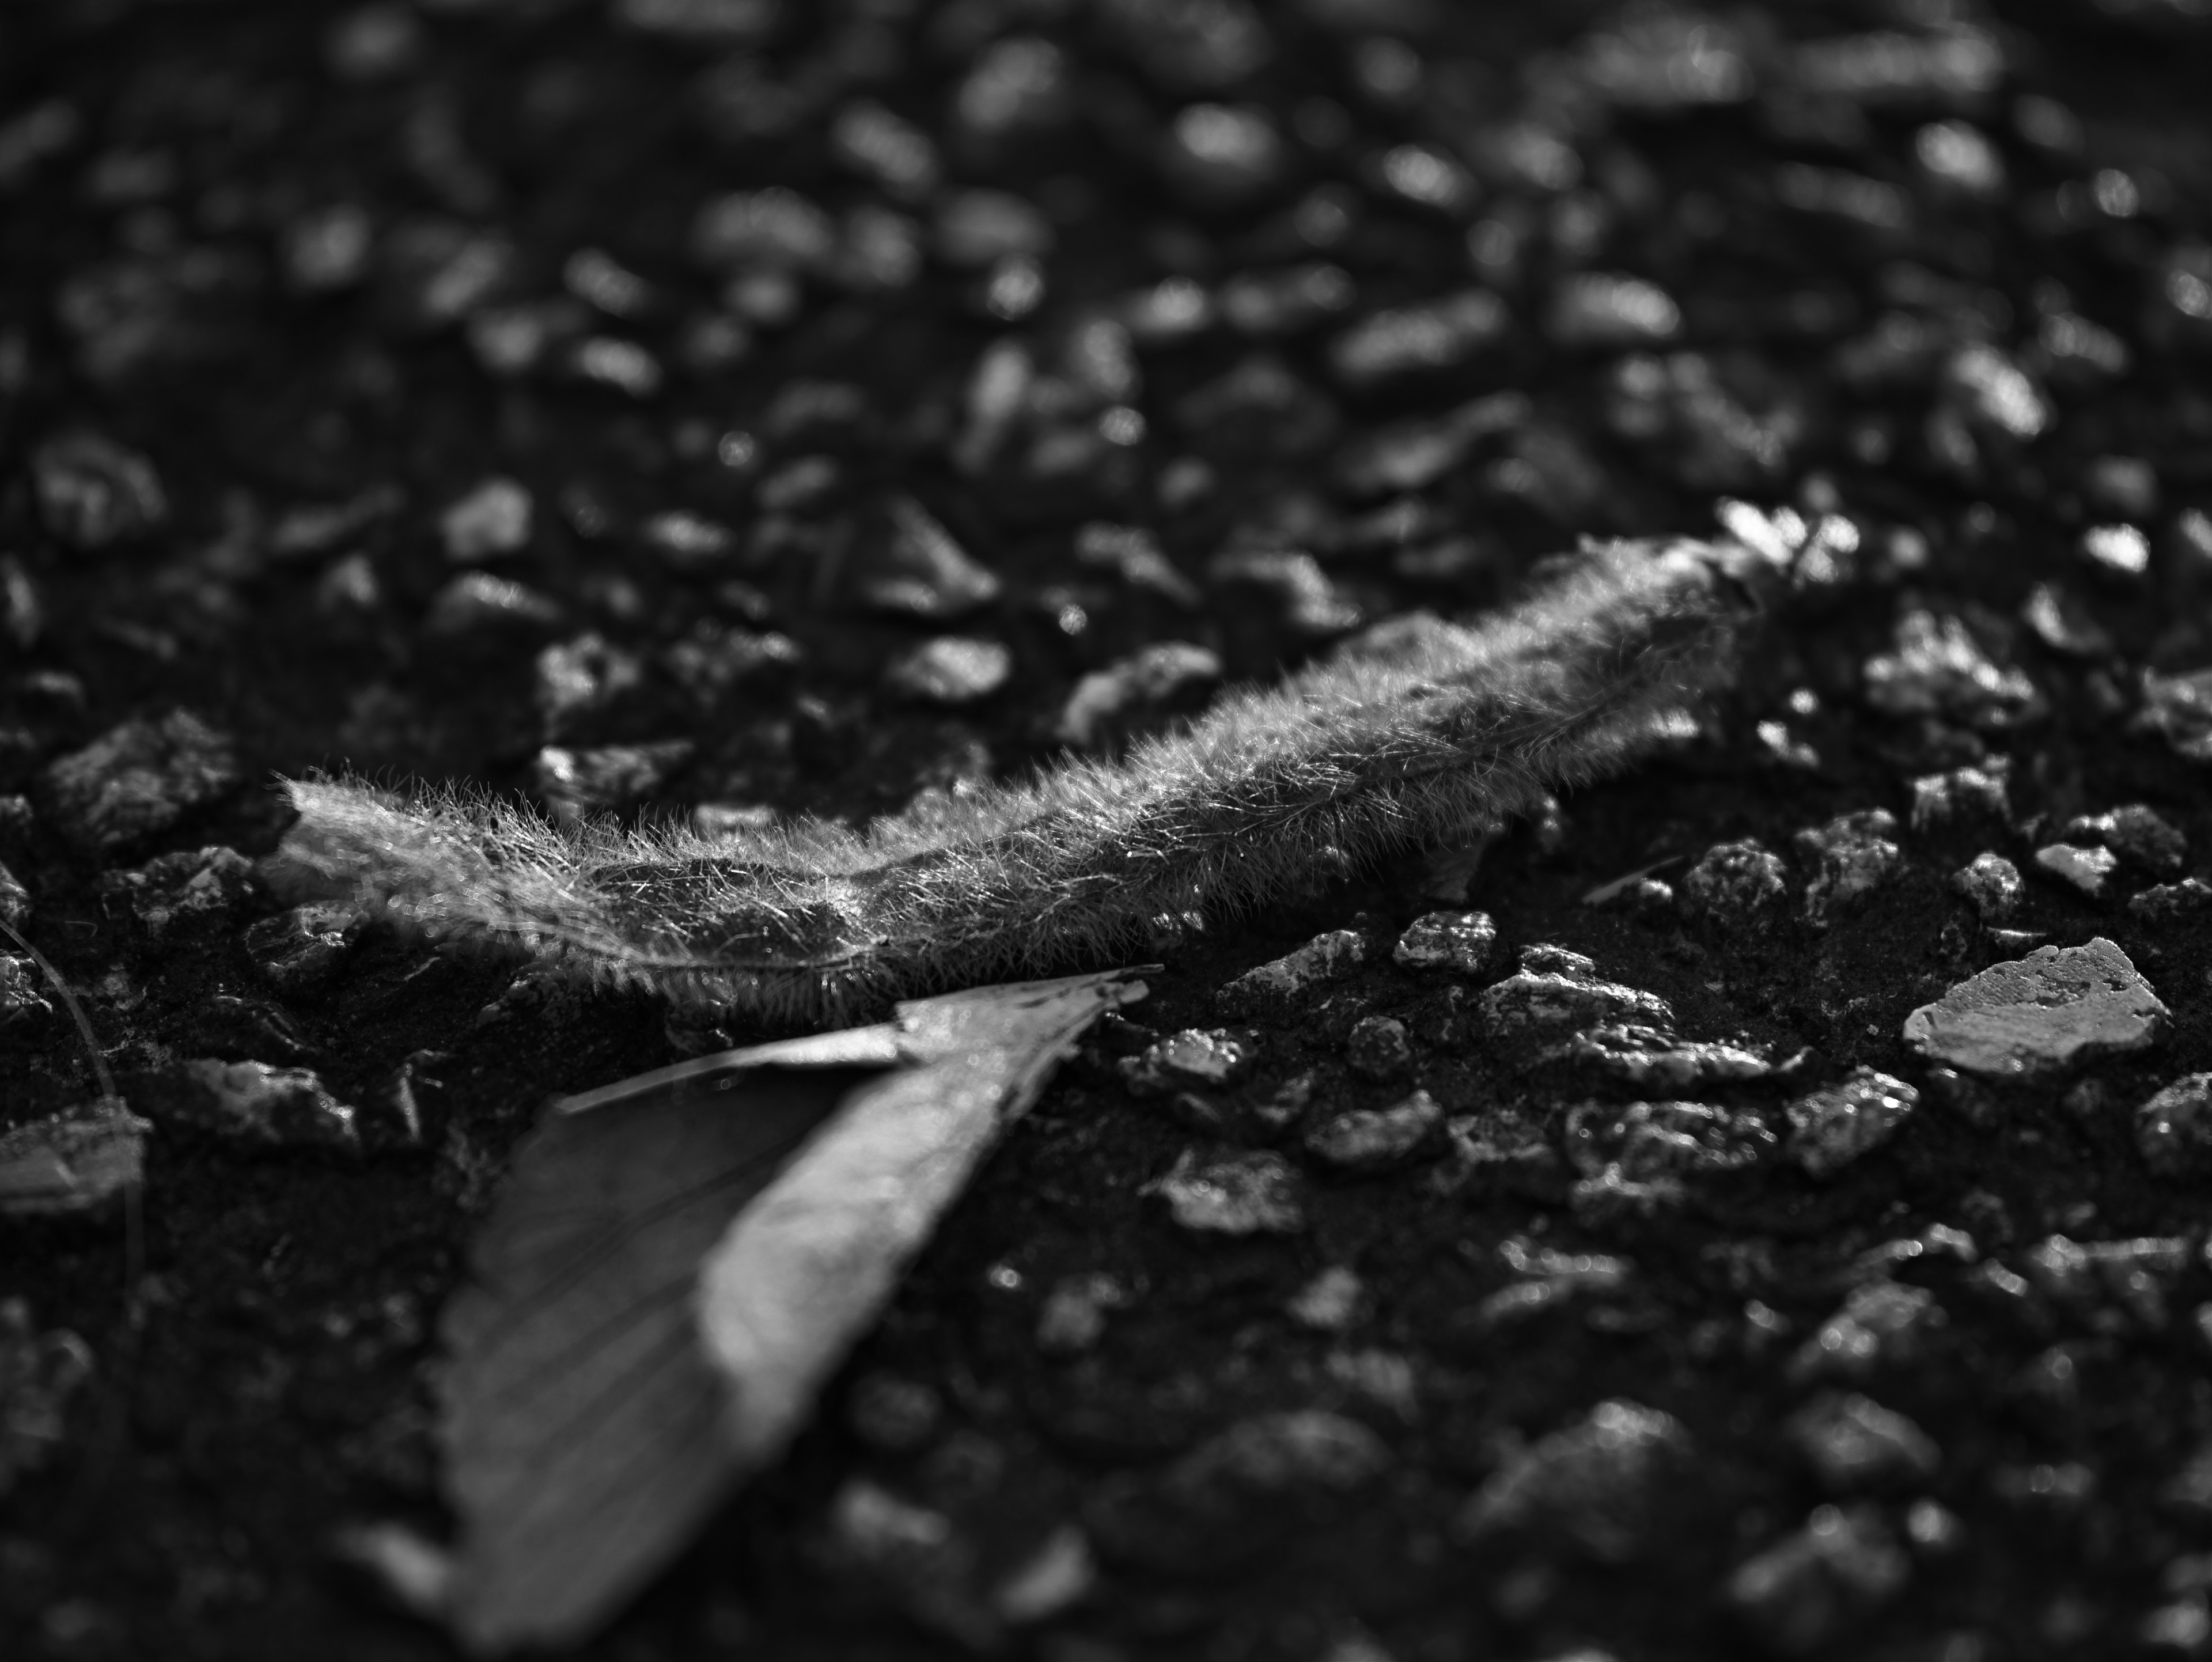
1326, 958
1074, 1314
1648, 1059
476, 603
2088, 870
141, 777
1831, 1129
1608, 309
2174, 1128
252, 1103
1852, 856
1364, 1140
1556, 990
1810, 1587
1209, 1059
1148, 682
1937, 667
1734, 883
40, 1372
2139, 834
1944, 799
1245, 1194
951, 670
1378, 1048
2041, 1014
186, 887
1330, 1302
2170, 903
915, 567
1462, 943
1884, 1322
1991, 884
14, 900
1600, 1485
492, 520
2179, 709
1853, 1442
302, 949
93, 494
74, 1162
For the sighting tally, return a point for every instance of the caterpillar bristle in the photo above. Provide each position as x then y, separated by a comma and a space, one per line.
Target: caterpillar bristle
1367, 755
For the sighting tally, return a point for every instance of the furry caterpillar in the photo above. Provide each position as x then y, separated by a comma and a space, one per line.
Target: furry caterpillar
1372, 754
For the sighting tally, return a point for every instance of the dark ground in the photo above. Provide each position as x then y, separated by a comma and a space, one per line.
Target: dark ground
303, 257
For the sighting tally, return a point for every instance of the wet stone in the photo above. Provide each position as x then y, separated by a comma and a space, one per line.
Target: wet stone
1991, 884
1461, 943
252, 1103
1936, 666
1246, 1193
1852, 1442
2138, 835
492, 520
1598, 1486
1378, 1048
1326, 958
184, 887
2041, 1014
1882, 1323
2088, 870
1830, 1129
1363, 1139
1651, 1059
1206, 1059
304, 947
1734, 882
1548, 993
1812, 1586
140, 777
1852, 856
2174, 1128
93, 494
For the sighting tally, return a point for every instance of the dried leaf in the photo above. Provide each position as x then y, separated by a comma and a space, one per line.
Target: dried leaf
677, 1263
75, 1161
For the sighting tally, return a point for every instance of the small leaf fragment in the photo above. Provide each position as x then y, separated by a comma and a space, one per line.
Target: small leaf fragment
677, 1263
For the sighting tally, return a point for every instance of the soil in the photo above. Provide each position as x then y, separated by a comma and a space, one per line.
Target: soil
264, 1353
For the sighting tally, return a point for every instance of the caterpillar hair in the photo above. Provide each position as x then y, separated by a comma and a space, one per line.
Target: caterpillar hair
1374, 753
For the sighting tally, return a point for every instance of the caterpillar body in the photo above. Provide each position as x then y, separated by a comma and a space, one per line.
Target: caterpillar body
1374, 753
